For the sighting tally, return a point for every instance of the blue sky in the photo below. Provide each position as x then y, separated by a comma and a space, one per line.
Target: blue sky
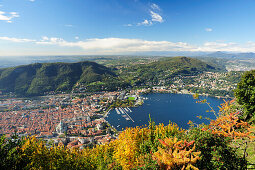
70, 27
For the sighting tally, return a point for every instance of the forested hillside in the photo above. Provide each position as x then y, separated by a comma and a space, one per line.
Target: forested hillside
35, 79
165, 69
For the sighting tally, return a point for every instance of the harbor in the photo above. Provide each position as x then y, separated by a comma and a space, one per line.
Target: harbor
124, 113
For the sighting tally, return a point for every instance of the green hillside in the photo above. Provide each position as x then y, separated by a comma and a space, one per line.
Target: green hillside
35, 79
165, 69
183, 65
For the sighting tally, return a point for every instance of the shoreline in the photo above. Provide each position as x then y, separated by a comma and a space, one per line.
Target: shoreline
203, 94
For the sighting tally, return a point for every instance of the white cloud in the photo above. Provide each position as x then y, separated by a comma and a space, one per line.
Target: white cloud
227, 46
145, 22
117, 45
44, 38
50, 41
14, 14
208, 29
16, 39
77, 37
32, 0
121, 45
155, 7
156, 17
8, 16
125, 46
128, 25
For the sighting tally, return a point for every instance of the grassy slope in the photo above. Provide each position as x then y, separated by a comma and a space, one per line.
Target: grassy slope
250, 150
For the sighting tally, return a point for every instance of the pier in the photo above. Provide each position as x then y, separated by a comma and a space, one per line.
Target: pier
129, 109
118, 112
125, 112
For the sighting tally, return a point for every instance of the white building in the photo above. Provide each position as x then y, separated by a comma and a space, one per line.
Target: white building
61, 127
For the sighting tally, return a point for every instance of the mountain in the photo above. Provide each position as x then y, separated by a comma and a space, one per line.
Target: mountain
246, 55
35, 79
220, 54
183, 63
168, 53
178, 64
165, 69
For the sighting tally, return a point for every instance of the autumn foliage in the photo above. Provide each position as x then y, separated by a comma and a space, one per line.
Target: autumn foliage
228, 124
176, 153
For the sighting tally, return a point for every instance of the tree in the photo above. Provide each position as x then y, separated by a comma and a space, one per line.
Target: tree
245, 95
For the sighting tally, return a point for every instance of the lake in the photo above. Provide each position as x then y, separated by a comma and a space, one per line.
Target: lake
165, 107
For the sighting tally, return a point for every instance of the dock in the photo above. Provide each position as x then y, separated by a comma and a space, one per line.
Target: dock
125, 112
118, 112
129, 109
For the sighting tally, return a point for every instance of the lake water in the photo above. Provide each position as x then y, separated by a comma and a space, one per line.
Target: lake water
177, 108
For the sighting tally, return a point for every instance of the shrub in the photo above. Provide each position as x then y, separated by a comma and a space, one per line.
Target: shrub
216, 152
245, 95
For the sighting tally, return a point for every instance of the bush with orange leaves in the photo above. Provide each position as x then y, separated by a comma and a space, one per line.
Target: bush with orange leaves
228, 124
176, 154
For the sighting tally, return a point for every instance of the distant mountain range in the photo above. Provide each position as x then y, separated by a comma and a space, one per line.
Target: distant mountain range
220, 54
15, 61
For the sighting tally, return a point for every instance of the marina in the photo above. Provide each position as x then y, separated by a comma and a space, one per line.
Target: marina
124, 113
